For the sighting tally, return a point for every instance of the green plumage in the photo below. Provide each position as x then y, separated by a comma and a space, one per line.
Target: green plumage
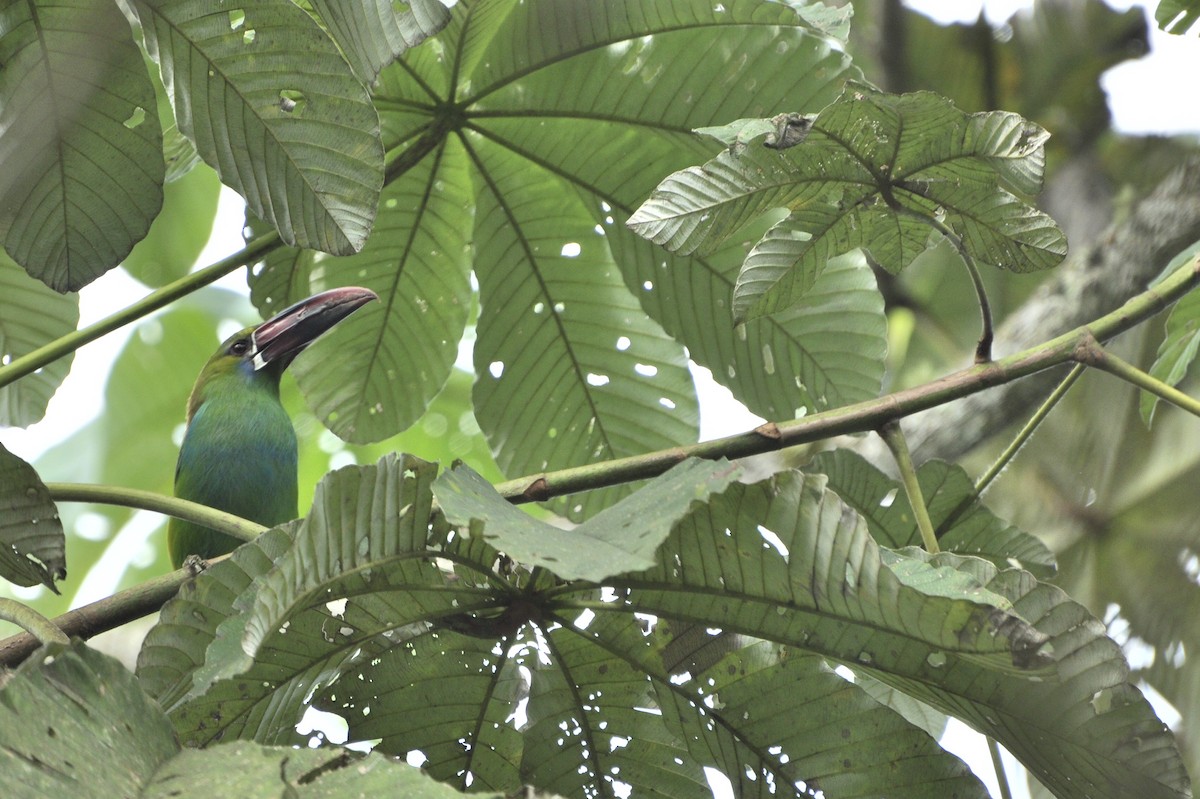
239, 452
238, 455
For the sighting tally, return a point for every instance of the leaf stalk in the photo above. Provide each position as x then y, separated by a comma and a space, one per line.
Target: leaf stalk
893, 436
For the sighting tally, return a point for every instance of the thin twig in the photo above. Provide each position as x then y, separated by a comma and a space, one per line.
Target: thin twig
31, 362
860, 417
1091, 353
998, 765
233, 526
1027, 431
35, 624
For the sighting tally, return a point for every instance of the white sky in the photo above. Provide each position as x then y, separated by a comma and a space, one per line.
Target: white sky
1146, 96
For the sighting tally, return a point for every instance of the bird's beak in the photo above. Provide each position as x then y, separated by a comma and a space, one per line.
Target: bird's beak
285, 335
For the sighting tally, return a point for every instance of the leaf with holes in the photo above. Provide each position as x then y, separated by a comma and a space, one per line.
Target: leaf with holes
32, 545
378, 371
873, 170
570, 368
305, 154
825, 352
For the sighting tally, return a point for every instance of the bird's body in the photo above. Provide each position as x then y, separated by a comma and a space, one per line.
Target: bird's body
239, 451
238, 455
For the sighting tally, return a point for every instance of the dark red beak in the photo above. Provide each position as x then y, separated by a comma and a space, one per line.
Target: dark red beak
281, 338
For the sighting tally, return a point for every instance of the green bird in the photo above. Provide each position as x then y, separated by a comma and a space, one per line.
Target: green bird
239, 451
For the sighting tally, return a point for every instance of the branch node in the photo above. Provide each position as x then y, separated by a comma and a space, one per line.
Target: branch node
770, 430
537, 491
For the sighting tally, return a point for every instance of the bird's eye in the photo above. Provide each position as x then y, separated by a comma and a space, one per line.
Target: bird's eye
240, 347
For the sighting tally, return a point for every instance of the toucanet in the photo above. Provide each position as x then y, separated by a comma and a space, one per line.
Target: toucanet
239, 451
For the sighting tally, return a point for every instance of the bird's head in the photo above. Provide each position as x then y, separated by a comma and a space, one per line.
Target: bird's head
261, 353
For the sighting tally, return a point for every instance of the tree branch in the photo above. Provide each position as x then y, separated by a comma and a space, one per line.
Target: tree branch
1120, 263
856, 418
31, 362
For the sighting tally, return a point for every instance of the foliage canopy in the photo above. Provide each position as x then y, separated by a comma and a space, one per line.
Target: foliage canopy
596, 197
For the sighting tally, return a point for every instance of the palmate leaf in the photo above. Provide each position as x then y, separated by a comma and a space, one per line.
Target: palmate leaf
603, 707
304, 151
31, 315
376, 374
1095, 734
357, 616
549, 166
79, 139
825, 352
871, 170
963, 524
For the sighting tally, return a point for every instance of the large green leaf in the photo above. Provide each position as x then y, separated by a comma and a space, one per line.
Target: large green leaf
372, 33
32, 545
303, 149
963, 524
871, 170
376, 374
619, 539
75, 721
570, 369
827, 351
31, 316
1094, 733
79, 139
551, 168
174, 648
434, 658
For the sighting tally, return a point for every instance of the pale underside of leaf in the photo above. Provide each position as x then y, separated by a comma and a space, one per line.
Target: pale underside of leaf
376, 374
373, 33
571, 370
620, 538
